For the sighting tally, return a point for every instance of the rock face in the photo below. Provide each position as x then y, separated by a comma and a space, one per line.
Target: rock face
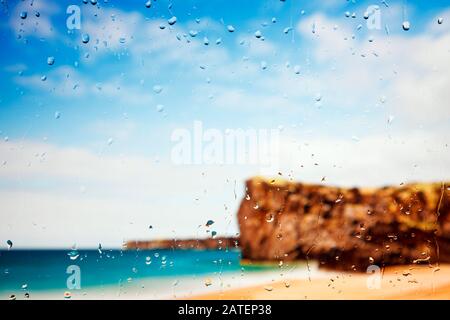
199, 244
346, 229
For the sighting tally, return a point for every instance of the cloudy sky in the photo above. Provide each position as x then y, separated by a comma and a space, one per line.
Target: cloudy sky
86, 126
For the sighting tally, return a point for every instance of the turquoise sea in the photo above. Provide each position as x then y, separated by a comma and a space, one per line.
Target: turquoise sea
24, 272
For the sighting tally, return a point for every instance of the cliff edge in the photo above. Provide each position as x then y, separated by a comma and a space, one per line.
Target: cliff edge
344, 228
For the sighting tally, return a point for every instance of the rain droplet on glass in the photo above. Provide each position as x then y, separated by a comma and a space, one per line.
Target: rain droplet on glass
157, 89
50, 61
172, 20
85, 38
263, 65
406, 25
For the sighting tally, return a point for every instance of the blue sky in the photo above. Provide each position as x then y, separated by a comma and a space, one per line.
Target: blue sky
101, 171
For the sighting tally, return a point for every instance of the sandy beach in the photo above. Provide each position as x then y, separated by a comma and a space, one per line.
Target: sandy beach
400, 282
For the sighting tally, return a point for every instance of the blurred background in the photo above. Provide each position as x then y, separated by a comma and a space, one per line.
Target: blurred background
92, 92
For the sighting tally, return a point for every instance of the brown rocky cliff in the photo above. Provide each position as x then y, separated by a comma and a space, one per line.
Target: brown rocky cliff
345, 228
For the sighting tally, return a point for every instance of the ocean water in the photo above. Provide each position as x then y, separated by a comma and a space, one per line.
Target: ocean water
27, 272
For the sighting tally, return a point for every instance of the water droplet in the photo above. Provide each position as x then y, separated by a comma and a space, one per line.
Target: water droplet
263, 65
209, 223
268, 288
12, 297
148, 260
286, 30
156, 254
318, 97
230, 28
270, 217
366, 15
57, 115
67, 295
100, 248
347, 14
23, 15
122, 40
193, 33
24, 286
208, 282
172, 20
213, 234
390, 119
43, 78
157, 88
93, 2
219, 41
258, 34
205, 41
371, 260
247, 197
274, 20
162, 27
148, 4
74, 254
110, 141
160, 108
9, 243
406, 25
50, 61
297, 69
85, 38
440, 20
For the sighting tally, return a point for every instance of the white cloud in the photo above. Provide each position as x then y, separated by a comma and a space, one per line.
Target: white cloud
53, 196
411, 72
374, 160
37, 25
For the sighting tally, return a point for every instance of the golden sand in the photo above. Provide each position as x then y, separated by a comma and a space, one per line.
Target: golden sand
400, 282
